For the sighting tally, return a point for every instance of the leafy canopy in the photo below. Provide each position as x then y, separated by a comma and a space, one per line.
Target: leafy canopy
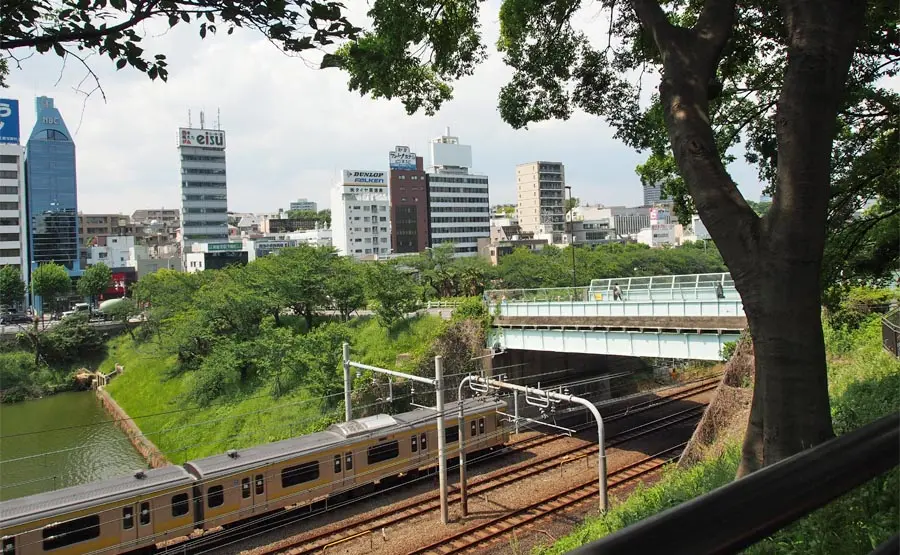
12, 288
95, 280
113, 28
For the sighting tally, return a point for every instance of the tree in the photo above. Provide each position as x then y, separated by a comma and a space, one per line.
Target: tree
94, 282
50, 282
392, 291
344, 287
571, 203
79, 28
12, 288
123, 311
775, 260
296, 278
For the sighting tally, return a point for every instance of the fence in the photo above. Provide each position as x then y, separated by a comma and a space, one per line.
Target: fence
753, 508
890, 332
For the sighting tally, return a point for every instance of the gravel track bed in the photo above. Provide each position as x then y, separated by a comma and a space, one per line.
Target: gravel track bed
404, 536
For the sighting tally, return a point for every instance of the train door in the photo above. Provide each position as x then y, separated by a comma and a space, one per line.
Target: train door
129, 531
246, 489
259, 493
349, 469
144, 516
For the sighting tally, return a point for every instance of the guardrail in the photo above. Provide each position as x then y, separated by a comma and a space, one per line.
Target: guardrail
756, 506
598, 294
442, 304
890, 332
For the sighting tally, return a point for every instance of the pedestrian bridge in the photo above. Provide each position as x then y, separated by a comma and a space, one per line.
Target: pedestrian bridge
685, 316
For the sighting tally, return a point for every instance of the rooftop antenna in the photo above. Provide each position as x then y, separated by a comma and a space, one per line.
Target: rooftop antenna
218, 119
202, 122
189, 117
448, 131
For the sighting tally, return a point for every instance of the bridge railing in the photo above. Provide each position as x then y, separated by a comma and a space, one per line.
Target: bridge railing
647, 308
753, 508
890, 332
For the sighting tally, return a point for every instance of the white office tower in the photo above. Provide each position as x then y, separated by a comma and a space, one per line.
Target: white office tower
540, 188
204, 199
459, 210
13, 218
361, 214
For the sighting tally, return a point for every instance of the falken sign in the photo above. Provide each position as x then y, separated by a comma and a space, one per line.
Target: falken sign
353, 177
201, 138
402, 159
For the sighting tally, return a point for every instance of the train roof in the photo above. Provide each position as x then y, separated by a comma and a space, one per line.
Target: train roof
62, 501
237, 460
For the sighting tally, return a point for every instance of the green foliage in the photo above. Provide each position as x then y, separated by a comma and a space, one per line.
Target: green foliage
112, 28
474, 309
855, 304
96, 280
17, 372
72, 340
12, 288
864, 385
344, 285
392, 291
322, 216
728, 349
50, 282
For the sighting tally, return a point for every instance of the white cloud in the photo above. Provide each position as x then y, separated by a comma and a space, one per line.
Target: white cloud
290, 128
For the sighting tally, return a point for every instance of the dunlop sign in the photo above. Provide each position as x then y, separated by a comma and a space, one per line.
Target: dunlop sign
354, 177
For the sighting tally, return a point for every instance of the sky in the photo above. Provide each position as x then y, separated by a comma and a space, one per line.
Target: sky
291, 128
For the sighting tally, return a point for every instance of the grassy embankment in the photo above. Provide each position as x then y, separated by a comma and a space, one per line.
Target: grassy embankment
864, 383
252, 416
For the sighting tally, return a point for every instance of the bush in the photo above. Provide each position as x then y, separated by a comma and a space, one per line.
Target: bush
855, 306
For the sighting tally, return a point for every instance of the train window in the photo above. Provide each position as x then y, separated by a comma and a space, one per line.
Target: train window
383, 452
474, 428
481, 425
293, 475
145, 513
70, 532
260, 484
451, 434
414, 444
337, 464
245, 488
127, 518
424, 442
215, 496
9, 544
348, 459
180, 504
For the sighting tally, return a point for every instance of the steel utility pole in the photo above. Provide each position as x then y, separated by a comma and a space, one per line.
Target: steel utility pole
571, 224
438, 383
538, 396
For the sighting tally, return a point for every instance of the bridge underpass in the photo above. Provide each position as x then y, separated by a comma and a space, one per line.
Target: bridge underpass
673, 317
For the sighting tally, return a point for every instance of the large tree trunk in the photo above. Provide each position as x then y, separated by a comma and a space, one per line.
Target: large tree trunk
776, 260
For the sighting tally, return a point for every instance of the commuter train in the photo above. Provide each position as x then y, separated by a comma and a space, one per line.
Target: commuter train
134, 513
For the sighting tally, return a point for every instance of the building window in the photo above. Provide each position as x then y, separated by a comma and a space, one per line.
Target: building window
9, 159
9, 174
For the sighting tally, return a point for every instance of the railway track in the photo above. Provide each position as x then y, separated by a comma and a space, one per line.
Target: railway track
492, 529
403, 511
483, 484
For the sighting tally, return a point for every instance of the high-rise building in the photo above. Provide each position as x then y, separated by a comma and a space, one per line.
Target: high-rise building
13, 236
51, 191
102, 225
541, 199
409, 201
204, 196
459, 209
361, 214
303, 204
652, 194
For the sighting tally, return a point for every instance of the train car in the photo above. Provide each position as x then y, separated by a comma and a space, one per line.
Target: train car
350, 455
109, 516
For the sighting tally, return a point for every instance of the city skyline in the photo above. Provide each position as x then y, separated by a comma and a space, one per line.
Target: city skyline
292, 128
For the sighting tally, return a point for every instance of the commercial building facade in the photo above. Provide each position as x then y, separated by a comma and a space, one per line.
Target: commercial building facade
540, 189
94, 225
204, 196
13, 233
51, 191
459, 206
303, 204
409, 202
361, 214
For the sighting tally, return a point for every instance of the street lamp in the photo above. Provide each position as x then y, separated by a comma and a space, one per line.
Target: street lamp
571, 225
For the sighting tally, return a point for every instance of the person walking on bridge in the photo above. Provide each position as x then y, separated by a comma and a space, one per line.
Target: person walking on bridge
617, 292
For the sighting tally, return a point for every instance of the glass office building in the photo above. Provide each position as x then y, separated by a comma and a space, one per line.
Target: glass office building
52, 208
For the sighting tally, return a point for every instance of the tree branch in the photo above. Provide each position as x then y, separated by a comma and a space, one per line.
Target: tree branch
713, 28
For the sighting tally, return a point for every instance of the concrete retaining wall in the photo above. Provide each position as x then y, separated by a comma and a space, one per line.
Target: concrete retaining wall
144, 446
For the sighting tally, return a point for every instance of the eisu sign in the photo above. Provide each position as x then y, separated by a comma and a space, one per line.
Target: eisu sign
402, 159
202, 138
352, 177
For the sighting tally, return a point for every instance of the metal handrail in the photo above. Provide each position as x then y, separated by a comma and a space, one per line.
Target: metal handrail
756, 506
890, 332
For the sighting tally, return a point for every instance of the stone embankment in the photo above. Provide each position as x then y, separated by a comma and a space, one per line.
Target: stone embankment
144, 446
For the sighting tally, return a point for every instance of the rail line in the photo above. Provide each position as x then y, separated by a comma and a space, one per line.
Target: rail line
482, 484
495, 527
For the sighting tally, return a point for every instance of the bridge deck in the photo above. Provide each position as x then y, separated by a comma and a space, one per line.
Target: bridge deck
642, 323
